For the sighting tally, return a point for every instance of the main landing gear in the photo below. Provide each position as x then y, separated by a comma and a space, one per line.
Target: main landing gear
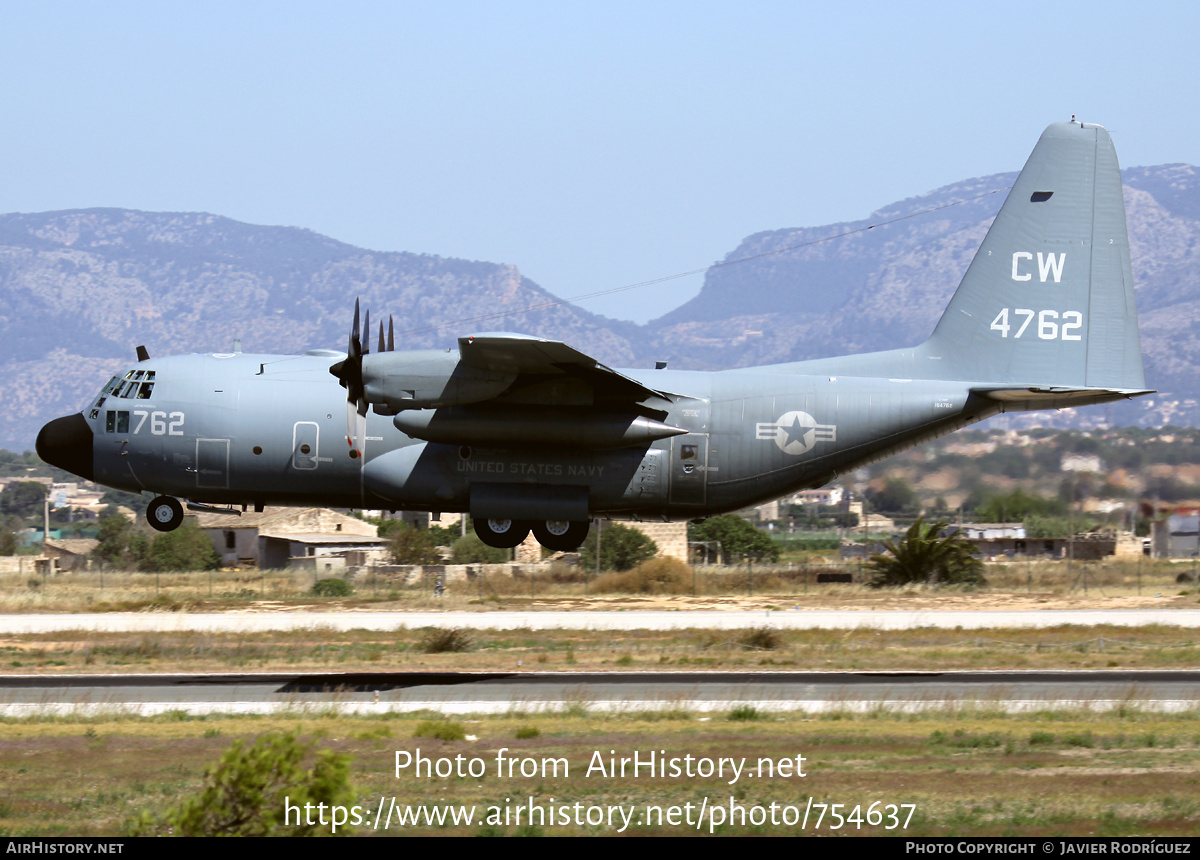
164, 513
555, 535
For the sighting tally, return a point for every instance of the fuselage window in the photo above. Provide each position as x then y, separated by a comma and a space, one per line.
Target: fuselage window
122, 422
110, 422
688, 452
144, 391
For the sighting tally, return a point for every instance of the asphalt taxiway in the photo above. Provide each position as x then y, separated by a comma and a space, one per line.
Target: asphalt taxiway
500, 692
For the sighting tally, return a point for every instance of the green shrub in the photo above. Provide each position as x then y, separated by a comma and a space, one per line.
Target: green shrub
244, 794
527, 732
332, 587
444, 730
747, 714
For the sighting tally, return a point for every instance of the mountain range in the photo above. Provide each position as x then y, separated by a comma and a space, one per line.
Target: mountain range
82, 288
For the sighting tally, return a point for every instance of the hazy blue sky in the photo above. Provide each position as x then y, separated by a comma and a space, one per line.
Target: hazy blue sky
592, 145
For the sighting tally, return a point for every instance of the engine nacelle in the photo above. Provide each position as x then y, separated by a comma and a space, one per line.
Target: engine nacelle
427, 379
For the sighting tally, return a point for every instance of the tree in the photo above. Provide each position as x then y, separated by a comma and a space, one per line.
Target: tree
1016, 507
738, 538
896, 497
261, 790
621, 548
413, 546
469, 549
8, 543
927, 553
120, 544
186, 548
23, 499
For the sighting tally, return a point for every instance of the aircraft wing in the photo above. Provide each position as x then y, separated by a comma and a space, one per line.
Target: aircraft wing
532, 356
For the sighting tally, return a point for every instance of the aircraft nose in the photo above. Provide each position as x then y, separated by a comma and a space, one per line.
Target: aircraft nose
67, 443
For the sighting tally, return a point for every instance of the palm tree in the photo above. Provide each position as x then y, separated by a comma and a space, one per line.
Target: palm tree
927, 553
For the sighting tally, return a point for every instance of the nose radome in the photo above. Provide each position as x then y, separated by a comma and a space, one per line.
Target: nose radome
67, 443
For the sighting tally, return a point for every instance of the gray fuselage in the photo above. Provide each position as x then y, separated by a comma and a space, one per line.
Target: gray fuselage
270, 430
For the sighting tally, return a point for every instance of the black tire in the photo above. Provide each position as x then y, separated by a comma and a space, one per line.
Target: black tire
561, 535
164, 514
503, 534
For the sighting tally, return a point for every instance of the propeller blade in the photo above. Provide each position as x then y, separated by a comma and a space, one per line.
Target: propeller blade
391, 335
360, 431
349, 373
381, 344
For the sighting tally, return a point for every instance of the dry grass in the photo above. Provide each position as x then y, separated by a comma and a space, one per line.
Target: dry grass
1065, 647
1049, 774
661, 575
1012, 584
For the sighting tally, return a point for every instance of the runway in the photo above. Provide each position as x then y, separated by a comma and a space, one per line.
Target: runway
783, 618
702, 692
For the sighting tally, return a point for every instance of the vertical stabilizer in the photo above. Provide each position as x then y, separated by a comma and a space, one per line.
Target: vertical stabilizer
1048, 299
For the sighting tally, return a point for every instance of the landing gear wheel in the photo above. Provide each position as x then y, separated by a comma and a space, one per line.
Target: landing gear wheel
561, 535
164, 514
503, 534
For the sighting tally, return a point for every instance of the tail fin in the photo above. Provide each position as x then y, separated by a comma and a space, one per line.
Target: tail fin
1048, 299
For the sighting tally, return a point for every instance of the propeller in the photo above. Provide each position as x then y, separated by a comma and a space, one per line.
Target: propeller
349, 373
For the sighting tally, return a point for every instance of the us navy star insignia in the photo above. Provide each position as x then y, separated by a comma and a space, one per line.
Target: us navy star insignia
795, 432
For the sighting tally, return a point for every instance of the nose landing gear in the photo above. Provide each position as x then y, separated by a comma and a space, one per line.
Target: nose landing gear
164, 513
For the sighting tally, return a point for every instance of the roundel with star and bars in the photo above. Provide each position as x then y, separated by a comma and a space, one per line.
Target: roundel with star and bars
795, 432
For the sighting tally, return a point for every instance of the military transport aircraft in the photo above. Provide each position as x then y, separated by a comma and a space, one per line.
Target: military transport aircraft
530, 434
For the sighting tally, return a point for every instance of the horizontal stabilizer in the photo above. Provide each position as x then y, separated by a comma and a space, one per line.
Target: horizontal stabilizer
1049, 397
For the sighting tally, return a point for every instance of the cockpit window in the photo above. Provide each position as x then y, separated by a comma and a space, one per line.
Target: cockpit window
116, 422
136, 384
